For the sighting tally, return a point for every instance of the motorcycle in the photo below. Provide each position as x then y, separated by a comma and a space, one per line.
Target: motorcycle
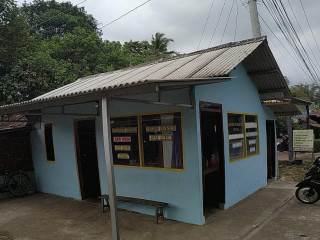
284, 145
308, 190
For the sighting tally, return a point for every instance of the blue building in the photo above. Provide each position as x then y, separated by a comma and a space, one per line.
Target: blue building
192, 131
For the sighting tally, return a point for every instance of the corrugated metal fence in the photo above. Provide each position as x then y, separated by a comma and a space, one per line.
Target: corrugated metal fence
15, 151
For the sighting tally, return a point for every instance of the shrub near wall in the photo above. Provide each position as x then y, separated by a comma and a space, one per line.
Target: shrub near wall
317, 145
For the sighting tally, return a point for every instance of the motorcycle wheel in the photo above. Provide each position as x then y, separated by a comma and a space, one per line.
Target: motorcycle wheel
307, 195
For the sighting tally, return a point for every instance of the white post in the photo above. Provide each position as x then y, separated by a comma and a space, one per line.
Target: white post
255, 25
109, 164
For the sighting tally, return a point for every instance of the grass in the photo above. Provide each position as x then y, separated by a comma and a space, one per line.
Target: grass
293, 173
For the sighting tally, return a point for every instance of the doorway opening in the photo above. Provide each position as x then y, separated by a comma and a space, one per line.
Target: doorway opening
86, 148
271, 158
212, 147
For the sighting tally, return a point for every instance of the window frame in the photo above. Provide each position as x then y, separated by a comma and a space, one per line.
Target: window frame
45, 143
140, 139
246, 155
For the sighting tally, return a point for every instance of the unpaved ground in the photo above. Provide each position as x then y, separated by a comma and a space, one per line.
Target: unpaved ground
271, 213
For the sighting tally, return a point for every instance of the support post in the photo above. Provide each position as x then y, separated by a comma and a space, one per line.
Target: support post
308, 116
290, 137
110, 172
255, 25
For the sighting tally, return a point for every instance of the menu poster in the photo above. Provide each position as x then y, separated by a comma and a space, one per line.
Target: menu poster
125, 141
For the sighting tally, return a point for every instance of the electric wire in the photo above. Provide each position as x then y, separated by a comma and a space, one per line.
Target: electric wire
312, 64
217, 23
225, 28
285, 25
205, 25
309, 25
125, 14
281, 42
236, 27
304, 35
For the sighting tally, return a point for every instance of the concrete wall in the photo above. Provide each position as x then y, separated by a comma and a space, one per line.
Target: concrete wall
243, 177
181, 189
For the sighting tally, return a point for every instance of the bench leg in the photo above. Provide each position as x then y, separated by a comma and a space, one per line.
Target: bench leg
107, 205
159, 214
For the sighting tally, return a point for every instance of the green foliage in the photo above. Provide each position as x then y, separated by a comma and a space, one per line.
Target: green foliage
159, 44
309, 92
13, 35
317, 145
281, 123
47, 44
50, 18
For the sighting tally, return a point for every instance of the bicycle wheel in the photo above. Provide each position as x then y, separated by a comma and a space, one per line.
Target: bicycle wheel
19, 184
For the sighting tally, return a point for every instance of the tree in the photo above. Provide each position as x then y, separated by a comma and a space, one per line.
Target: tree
51, 18
159, 44
14, 35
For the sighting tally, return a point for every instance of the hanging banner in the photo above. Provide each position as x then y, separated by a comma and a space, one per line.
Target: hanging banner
303, 140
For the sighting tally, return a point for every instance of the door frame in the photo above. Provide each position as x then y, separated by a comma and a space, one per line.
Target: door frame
217, 108
76, 146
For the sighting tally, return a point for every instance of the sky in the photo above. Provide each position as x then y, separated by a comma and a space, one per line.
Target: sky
184, 22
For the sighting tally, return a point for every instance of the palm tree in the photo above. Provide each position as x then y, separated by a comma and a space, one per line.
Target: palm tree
159, 44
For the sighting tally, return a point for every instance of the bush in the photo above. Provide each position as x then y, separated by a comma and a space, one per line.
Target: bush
317, 145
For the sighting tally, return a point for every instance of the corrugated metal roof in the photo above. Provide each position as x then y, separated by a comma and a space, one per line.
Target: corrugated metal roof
14, 122
198, 66
283, 108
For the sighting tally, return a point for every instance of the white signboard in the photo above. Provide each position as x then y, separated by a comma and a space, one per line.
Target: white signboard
303, 140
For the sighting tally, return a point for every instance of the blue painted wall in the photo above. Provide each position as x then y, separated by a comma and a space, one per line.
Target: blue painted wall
246, 176
182, 190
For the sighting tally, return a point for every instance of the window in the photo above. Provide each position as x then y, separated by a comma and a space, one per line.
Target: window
48, 142
236, 136
243, 135
148, 140
251, 134
125, 141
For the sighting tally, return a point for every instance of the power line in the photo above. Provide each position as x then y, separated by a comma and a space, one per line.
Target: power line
296, 61
281, 18
306, 39
235, 30
125, 14
205, 25
310, 26
217, 23
225, 28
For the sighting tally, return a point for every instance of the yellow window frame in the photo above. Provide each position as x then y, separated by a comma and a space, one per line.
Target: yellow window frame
140, 140
45, 143
244, 147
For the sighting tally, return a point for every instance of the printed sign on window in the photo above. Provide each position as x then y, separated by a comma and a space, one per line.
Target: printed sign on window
123, 156
171, 128
160, 137
122, 147
124, 130
122, 139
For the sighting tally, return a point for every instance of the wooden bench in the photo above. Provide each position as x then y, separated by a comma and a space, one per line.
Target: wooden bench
158, 205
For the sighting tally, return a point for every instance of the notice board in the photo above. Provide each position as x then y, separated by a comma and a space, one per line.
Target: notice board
303, 140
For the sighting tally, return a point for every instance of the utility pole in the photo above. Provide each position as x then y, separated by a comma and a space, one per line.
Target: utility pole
255, 24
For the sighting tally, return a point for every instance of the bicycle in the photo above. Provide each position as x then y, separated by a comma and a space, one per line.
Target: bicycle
17, 183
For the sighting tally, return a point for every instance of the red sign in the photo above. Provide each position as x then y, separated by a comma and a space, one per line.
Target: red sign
121, 139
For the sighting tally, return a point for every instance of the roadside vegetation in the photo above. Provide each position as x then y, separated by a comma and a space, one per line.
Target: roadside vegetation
293, 173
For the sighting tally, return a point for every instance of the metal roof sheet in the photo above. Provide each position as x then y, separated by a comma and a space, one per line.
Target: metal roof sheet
202, 65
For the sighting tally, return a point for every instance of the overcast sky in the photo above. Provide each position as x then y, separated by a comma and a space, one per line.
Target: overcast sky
184, 20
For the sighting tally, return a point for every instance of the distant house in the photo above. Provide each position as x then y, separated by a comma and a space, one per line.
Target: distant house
15, 146
193, 131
